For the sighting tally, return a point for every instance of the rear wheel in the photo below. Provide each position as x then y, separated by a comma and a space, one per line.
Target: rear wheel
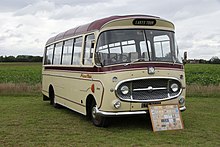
97, 120
52, 98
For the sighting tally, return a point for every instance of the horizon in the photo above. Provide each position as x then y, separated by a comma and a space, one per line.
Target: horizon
188, 59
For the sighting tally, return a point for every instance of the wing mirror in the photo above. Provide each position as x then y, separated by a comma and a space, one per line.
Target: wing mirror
185, 58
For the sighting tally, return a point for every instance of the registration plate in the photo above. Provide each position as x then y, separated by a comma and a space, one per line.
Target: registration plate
145, 105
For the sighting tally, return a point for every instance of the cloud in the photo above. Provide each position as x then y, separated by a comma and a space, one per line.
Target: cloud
26, 25
40, 8
199, 35
12, 5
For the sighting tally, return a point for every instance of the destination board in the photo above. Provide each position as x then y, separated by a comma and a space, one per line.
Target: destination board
165, 117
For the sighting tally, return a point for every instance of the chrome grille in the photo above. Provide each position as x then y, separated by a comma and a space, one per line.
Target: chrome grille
148, 89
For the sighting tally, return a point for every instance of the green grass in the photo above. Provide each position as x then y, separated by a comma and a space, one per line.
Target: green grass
202, 74
28, 121
29, 73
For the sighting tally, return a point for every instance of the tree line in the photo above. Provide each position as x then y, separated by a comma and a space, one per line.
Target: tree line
213, 60
27, 58
21, 58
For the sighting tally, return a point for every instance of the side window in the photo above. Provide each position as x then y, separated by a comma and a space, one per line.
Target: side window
49, 55
57, 53
67, 52
88, 50
77, 51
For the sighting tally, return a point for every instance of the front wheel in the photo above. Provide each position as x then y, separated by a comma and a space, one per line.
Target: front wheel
97, 120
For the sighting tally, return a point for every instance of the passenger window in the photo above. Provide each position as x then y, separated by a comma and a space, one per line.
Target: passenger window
57, 53
67, 52
128, 46
77, 51
88, 50
49, 54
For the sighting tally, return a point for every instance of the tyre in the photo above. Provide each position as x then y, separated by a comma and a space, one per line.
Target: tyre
52, 98
97, 120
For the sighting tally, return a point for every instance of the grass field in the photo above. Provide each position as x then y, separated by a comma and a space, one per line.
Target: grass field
28, 121
29, 73
202, 80
203, 74
20, 78
25, 78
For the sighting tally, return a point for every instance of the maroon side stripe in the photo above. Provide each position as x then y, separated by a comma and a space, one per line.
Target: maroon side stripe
116, 67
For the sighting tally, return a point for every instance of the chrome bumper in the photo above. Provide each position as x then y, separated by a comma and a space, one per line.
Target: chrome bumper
111, 114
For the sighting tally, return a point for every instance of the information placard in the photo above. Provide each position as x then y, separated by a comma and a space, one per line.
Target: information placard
165, 117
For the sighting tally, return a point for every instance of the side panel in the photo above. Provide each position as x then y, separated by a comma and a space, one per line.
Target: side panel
71, 89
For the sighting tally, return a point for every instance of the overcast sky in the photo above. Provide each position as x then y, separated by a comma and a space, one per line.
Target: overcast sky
25, 25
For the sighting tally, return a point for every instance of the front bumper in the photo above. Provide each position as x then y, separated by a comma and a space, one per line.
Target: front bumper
111, 114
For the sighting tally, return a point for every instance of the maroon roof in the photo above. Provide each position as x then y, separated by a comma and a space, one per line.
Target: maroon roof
95, 25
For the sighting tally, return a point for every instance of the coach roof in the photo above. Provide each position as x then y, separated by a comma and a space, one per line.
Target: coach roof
95, 25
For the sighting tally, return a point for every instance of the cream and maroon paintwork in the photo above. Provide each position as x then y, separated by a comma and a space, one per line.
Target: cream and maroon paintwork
72, 84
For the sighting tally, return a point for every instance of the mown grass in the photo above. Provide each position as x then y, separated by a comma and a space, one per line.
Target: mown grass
27, 121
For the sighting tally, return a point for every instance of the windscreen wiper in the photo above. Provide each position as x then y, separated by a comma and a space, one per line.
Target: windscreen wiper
136, 60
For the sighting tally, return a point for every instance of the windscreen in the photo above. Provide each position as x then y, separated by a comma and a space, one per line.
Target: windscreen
126, 46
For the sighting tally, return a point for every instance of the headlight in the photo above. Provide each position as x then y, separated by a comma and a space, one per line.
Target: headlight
174, 87
124, 90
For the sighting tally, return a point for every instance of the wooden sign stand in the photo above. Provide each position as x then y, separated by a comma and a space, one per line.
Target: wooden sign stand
165, 117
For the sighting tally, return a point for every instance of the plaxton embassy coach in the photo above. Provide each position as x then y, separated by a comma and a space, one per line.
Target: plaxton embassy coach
114, 66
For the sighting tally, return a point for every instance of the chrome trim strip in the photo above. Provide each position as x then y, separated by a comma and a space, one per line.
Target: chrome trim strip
149, 89
109, 114
143, 78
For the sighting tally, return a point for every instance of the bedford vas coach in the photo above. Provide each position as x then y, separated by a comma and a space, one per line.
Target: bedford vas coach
114, 66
